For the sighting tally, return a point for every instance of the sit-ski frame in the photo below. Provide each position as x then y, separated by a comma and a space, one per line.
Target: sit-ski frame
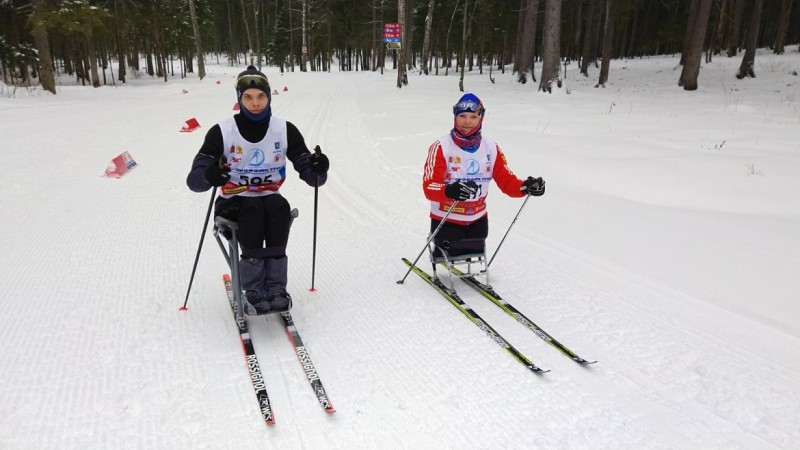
466, 260
229, 230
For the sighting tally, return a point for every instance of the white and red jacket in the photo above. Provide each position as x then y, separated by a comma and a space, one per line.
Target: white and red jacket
256, 168
448, 163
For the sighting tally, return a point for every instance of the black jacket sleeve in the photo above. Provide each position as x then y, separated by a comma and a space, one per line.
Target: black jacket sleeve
300, 156
209, 153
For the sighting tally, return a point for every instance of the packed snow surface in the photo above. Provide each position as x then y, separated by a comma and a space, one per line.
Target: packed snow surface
667, 247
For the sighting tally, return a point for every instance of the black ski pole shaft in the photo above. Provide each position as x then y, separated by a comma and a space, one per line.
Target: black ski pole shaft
527, 197
430, 239
317, 151
314, 245
200, 247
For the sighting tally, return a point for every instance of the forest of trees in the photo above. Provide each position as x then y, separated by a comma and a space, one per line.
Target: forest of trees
42, 40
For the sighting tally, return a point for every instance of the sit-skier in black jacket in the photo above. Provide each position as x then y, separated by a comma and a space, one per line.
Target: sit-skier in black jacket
245, 156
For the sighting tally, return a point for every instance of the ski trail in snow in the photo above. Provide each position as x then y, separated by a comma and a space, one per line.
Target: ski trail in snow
96, 355
656, 353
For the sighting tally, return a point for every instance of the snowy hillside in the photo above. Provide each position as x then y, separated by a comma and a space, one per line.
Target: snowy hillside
666, 247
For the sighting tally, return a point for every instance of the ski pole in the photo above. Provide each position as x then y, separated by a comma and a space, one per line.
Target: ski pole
199, 247
527, 197
433, 235
317, 151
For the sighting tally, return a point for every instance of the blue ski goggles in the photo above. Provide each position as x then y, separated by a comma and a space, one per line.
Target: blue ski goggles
245, 82
468, 106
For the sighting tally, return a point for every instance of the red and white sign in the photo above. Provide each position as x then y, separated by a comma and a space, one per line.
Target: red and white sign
190, 125
120, 165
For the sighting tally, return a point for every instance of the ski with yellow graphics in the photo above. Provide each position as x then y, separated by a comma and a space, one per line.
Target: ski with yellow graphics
492, 295
453, 298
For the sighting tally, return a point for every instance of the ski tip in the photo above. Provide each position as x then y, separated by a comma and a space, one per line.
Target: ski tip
538, 370
226, 277
183, 308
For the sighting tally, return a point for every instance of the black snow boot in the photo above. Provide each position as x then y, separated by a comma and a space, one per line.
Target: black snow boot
251, 276
275, 284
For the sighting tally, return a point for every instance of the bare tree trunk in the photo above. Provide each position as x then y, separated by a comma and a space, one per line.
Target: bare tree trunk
608, 43
426, 42
233, 55
92, 59
201, 68
746, 69
256, 14
526, 41
247, 32
409, 34
574, 52
447, 41
121, 73
402, 78
374, 60
693, 52
598, 18
587, 37
382, 52
304, 50
551, 46
688, 34
463, 56
39, 32
523, 7
468, 48
736, 28
783, 26
291, 38
721, 22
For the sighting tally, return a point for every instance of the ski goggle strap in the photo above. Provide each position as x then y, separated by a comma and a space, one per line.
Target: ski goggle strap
252, 81
468, 106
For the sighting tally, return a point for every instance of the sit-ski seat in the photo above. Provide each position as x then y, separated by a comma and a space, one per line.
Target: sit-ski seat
461, 254
229, 230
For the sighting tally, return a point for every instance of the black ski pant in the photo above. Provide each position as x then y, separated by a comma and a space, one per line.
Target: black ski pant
451, 237
264, 223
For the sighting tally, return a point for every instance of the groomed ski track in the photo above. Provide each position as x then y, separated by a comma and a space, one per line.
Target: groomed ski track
122, 367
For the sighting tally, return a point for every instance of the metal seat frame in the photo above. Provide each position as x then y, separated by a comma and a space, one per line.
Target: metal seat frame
467, 261
222, 228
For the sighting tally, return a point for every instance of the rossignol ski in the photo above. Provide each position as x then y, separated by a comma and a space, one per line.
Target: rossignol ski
492, 295
453, 298
305, 361
250, 357
255, 370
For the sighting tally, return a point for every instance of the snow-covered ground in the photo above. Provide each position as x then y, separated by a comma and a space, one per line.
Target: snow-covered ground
666, 247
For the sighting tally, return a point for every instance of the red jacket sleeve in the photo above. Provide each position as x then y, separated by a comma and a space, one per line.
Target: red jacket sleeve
505, 178
433, 175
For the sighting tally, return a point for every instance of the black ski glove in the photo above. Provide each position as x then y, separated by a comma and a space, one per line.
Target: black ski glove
217, 174
533, 186
461, 190
319, 162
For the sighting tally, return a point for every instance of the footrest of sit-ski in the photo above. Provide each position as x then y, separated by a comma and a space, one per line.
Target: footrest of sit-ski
250, 310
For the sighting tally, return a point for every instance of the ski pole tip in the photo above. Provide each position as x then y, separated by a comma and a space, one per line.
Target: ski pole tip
183, 308
312, 290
